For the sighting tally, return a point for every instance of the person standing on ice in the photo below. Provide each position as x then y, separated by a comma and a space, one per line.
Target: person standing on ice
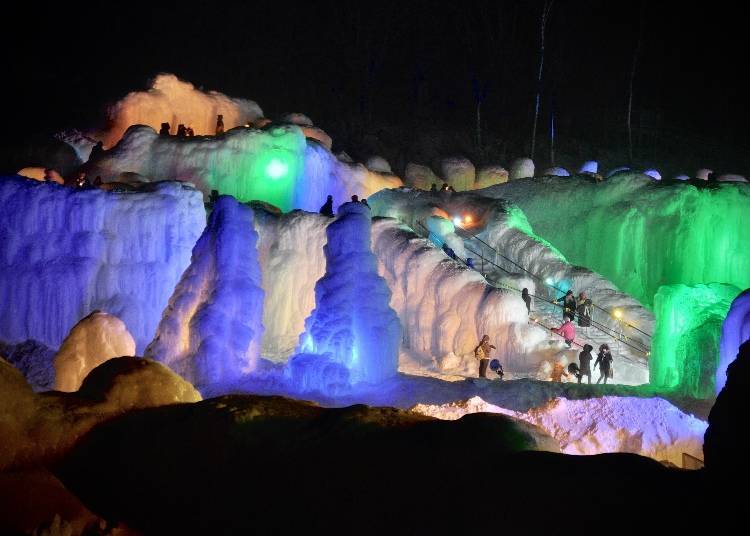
526, 297
365, 203
433, 188
482, 352
569, 304
219, 124
164, 130
584, 311
584, 358
355, 198
567, 330
604, 361
327, 208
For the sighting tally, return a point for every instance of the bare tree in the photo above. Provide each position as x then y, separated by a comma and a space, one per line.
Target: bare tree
543, 26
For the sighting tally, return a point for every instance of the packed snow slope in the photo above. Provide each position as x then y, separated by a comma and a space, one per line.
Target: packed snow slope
66, 252
212, 328
276, 164
174, 101
639, 233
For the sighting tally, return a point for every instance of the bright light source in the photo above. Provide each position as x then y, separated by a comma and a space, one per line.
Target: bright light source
549, 281
456, 221
276, 169
617, 313
467, 219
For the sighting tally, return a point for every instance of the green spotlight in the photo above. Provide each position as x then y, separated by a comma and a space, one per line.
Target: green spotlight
276, 169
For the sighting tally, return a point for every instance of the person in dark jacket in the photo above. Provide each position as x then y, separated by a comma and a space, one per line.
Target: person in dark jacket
584, 358
365, 203
327, 208
164, 130
219, 124
526, 297
569, 304
584, 310
482, 352
604, 361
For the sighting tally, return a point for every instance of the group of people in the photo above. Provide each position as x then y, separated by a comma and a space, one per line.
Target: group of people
571, 307
444, 188
327, 208
604, 361
184, 131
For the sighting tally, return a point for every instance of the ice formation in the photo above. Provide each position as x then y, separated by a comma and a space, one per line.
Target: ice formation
175, 101
521, 168
276, 165
731, 177
212, 328
378, 164
290, 250
352, 331
647, 426
491, 175
34, 360
556, 172
66, 252
653, 173
95, 339
698, 241
458, 172
421, 177
735, 331
443, 233
685, 349
590, 166
615, 171
702, 174
80, 142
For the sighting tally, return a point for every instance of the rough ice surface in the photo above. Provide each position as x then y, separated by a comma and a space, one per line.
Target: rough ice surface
34, 360
490, 175
735, 331
174, 101
443, 232
445, 309
66, 252
352, 326
458, 172
521, 168
80, 142
211, 330
702, 174
556, 172
653, 173
590, 166
378, 164
276, 165
685, 349
647, 426
654, 233
92, 341
731, 177
421, 177
296, 118
290, 250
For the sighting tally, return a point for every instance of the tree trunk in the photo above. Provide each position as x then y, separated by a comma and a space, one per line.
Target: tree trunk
545, 15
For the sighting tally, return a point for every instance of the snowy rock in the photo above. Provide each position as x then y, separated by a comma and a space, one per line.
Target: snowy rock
615, 171
654, 174
702, 174
34, 360
296, 118
66, 252
459, 172
378, 164
92, 341
556, 172
490, 175
175, 101
521, 168
647, 426
290, 251
352, 324
731, 177
212, 328
421, 177
734, 331
590, 166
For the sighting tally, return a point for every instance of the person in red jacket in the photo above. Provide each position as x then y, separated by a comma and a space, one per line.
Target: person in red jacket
568, 331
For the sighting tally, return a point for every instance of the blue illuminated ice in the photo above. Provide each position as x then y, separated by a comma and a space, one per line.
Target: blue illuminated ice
734, 332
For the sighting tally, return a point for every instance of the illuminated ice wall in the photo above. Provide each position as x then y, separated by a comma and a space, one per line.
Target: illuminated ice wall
174, 101
66, 252
352, 333
276, 165
685, 349
639, 233
211, 330
734, 332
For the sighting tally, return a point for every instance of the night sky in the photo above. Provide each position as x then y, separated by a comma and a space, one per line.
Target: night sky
403, 63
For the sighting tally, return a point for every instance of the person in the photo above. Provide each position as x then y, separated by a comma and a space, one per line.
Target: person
575, 371
213, 197
526, 299
82, 181
444, 188
327, 208
98, 181
164, 130
584, 358
189, 131
365, 203
558, 371
569, 304
567, 330
482, 352
584, 311
449, 251
604, 361
451, 189
181, 131
433, 188
497, 367
470, 263
355, 199
96, 150
219, 124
